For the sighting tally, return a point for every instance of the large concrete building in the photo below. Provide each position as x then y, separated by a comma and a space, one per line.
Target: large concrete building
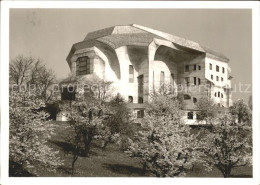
138, 60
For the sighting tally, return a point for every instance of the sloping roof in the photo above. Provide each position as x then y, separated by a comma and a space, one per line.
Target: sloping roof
118, 40
134, 34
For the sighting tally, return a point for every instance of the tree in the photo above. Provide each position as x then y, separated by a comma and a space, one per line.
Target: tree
32, 74
87, 116
29, 133
227, 146
241, 111
207, 110
164, 145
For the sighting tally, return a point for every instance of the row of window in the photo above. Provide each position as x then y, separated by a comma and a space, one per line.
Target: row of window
217, 68
196, 81
195, 67
217, 78
218, 94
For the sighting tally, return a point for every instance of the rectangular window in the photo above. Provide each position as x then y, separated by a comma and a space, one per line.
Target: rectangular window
187, 81
212, 77
190, 115
83, 66
222, 79
140, 113
172, 79
194, 80
210, 66
131, 74
223, 70
217, 78
187, 68
199, 67
194, 67
68, 93
198, 81
162, 81
162, 77
217, 68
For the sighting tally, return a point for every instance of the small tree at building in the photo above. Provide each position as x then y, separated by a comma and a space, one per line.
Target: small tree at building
87, 116
227, 146
241, 111
207, 110
165, 146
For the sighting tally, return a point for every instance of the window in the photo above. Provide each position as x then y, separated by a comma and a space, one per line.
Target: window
131, 74
140, 100
217, 78
199, 67
186, 97
194, 100
223, 70
198, 116
194, 80
187, 68
221, 95
222, 79
187, 81
215, 94
83, 66
162, 78
218, 94
190, 115
211, 77
210, 66
68, 93
162, 81
194, 67
140, 113
198, 81
130, 99
172, 78
217, 68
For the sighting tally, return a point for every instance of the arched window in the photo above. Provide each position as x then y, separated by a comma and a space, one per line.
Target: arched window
221, 95
217, 78
218, 94
186, 97
194, 100
215, 94
130, 99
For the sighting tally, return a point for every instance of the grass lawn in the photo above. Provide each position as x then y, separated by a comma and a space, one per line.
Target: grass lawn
111, 162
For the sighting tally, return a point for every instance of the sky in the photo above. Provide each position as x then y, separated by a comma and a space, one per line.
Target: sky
49, 34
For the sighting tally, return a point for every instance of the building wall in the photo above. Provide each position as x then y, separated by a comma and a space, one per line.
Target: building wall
218, 85
148, 62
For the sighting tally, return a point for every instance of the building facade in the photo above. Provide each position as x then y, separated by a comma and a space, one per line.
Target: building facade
140, 60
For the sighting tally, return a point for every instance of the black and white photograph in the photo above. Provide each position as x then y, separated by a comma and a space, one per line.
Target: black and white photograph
131, 92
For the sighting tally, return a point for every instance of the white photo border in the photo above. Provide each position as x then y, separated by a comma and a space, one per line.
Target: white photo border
5, 8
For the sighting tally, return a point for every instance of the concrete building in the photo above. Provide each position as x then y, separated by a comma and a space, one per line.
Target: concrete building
139, 60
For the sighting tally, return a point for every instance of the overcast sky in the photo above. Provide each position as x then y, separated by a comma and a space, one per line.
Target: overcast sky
49, 33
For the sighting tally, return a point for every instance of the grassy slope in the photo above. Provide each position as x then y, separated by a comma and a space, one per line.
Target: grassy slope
112, 162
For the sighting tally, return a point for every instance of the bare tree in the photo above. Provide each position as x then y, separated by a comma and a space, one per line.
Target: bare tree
30, 72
